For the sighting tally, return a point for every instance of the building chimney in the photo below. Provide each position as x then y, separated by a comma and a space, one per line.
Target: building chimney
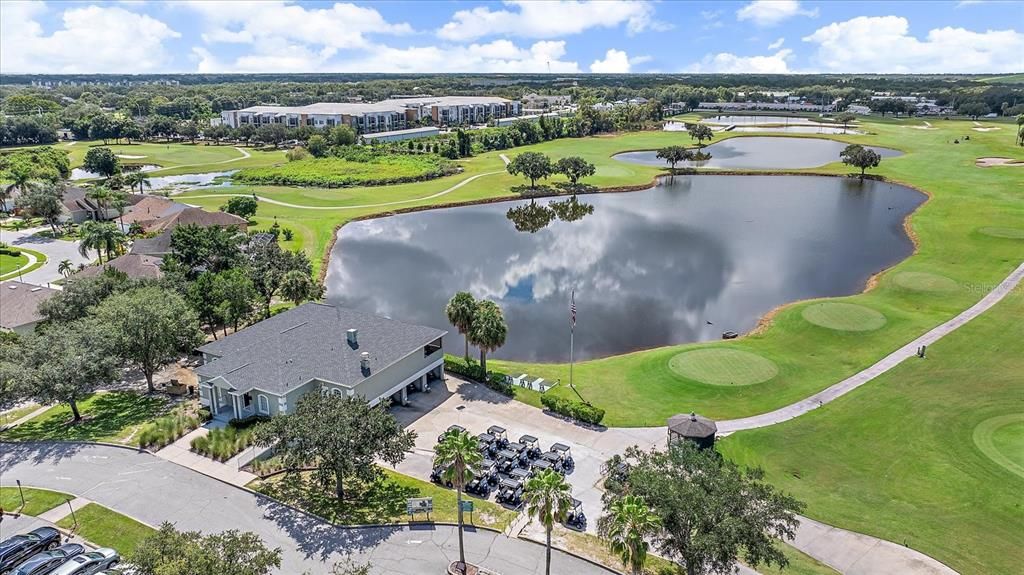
364, 361
352, 336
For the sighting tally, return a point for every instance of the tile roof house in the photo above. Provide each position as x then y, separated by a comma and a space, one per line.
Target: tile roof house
265, 368
19, 306
149, 209
135, 266
196, 216
156, 246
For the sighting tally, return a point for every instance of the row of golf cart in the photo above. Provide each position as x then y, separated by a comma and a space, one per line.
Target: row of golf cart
507, 466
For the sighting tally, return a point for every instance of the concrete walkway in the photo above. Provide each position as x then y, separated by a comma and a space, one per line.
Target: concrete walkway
154, 490
37, 412
61, 511
180, 452
1006, 287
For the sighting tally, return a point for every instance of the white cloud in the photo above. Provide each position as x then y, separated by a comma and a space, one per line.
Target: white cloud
549, 19
615, 62
883, 45
727, 63
771, 12
92, 39
777, 44
497, 56
340, 25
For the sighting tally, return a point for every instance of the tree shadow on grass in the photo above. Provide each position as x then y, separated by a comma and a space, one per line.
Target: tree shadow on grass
106, 417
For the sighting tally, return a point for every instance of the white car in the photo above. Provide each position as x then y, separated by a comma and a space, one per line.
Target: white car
89, 563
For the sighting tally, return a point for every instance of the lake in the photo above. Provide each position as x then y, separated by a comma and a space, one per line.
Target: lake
680, 262
760, 153
737, 120
805, 128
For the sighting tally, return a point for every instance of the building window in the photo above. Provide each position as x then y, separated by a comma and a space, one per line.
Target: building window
336, 391
432, 348
263, 404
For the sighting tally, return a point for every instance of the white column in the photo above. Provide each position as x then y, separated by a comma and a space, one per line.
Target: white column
405, 396
234, 406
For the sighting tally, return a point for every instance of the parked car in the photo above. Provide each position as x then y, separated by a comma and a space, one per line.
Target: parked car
47, 561
89, 563
16, 549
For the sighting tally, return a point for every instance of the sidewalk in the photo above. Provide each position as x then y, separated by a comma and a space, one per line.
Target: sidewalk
180, 452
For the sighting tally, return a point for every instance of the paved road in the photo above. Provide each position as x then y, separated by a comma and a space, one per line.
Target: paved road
1006, 287
55, 250
153, 490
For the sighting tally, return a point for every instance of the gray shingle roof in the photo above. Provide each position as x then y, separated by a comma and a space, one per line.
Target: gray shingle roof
19, 303
309, 342
692, 425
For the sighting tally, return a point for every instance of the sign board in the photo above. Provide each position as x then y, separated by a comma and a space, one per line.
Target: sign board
467, 506
419, 505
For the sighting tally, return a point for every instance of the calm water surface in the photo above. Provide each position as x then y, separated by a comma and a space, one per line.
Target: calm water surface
761, 152
680, 262
739, 120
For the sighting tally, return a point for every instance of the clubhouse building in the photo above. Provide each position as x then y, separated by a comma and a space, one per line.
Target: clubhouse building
266, 368
384, 116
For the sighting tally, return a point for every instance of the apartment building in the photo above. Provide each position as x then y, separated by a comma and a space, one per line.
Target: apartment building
384, 116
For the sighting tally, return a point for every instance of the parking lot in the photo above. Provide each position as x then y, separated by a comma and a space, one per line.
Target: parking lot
477, 408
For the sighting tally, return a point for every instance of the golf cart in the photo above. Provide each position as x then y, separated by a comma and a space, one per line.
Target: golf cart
563, 450
554, 460
520, 450
540, 465
451, 429
510, 492
575, 519
481, 483
499, 435
507, 460
520, 474
437, 476
488, 444
532, 446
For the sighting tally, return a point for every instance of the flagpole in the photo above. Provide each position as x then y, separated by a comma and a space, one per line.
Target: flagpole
572, 333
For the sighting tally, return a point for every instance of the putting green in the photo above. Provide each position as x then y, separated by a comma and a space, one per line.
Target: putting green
715, 366
1001, 439
843, 316
1008, 233
923, 281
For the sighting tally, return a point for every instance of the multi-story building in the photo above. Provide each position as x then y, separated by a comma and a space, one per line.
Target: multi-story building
383, 116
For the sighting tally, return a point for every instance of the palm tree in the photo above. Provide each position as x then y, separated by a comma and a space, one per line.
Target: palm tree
102, 196
459, 454
100, 236
460, 311
65, 268
22, 179
548, 497
120, 201
628, 526
140, 179
489, 329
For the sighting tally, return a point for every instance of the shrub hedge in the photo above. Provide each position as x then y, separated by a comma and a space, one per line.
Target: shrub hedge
223, 444
9, 251
575, 409
166, 430
495, 380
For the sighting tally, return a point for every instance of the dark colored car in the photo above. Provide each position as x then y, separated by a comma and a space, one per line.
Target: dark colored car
47, 561
16, 549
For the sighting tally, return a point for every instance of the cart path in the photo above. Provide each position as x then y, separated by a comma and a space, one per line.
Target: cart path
361, 206
1005, 288
153, 490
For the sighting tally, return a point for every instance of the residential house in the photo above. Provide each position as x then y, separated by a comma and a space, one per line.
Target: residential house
19, 306
135, 266
266, 368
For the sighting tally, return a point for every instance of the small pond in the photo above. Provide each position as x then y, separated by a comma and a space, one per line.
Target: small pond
792, 128
681, 262
185, 182
727, 120
761, 152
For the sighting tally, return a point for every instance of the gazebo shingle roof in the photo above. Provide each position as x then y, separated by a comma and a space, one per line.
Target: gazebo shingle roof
691, 425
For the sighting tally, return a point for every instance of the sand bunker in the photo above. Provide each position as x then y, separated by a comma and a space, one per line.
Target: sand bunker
926, 126
127, 157
989, 162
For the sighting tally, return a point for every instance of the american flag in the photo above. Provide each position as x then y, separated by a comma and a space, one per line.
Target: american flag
572, 309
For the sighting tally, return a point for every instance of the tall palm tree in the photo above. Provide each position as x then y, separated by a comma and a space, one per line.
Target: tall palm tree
628, 525
140, 179
489, 329
459, 455
119, 200
65, 268
548, 498
460, 311
22, 179
100, 236
102, 196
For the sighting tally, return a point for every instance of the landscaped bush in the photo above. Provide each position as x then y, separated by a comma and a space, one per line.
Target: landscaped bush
9, 251
223, 444
495, 380
249, 421
166, 430
355, 169
575, 409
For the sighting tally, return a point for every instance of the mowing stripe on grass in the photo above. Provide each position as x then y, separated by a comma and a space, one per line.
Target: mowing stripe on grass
842, 316
716, 366
985, 437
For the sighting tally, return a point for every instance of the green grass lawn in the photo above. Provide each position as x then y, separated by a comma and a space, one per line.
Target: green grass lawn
107, 528
914, 456
178, 158
337, 172
383, 502
112, 417
37, 501
9, 265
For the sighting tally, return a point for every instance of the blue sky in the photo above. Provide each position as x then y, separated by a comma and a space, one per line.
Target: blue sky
566, 37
